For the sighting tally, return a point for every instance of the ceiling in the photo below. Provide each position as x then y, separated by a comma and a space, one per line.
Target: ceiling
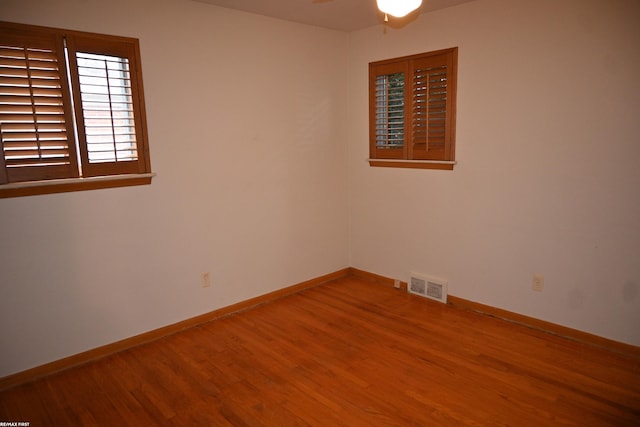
344, 15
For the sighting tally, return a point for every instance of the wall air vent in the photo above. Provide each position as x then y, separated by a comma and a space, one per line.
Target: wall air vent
428, 287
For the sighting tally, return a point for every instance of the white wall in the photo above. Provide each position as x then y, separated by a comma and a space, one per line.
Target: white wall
247, 123
548, 181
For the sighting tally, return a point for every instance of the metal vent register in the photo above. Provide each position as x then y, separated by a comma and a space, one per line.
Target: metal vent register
428, 287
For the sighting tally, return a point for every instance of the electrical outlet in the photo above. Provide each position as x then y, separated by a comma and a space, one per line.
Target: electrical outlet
538, 282
205, 279
396, 284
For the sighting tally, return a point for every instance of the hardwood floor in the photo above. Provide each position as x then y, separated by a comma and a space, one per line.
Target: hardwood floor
347, 353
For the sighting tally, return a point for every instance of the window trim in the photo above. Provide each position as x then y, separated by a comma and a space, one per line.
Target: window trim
403, 157
94, 175
66, 185
413, 164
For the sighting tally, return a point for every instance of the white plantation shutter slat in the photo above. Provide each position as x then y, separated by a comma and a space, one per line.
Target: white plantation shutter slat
108, 103
105, 89
390, 110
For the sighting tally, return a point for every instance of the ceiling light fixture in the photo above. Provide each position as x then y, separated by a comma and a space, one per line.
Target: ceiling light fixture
398, 8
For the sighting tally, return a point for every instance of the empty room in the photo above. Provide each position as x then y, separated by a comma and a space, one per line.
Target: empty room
218, 212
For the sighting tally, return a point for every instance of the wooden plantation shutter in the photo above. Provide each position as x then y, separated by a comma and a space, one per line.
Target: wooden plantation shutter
71, 106
432, 111
388, 100
107, 89
36, 129
388, 108
412, 102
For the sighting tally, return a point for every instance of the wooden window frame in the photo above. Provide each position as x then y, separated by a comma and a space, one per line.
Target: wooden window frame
424, 145
62, 136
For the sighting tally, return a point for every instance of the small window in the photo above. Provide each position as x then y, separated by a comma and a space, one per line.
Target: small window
412, 109
72, 113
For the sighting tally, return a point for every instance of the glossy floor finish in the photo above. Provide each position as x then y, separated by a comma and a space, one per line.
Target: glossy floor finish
347, 353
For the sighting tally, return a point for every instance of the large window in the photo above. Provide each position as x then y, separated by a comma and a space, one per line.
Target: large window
72, 111
412, 109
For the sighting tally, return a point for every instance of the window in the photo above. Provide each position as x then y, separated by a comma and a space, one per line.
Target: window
412, 110
72, 111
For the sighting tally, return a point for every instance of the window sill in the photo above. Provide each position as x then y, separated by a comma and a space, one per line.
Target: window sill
32, 188
414, 164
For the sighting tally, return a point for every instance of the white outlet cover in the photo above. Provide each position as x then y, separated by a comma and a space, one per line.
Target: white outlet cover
538, 282
205, 280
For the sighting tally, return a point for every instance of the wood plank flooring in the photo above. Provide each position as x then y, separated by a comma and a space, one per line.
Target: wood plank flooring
346, 353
